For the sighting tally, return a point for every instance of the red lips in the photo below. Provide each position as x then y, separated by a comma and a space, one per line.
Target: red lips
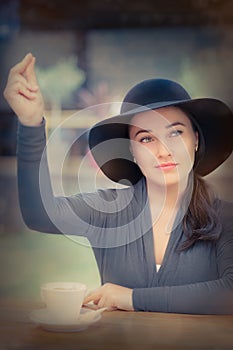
166, 166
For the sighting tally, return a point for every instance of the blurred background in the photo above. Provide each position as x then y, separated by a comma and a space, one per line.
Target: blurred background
90, 53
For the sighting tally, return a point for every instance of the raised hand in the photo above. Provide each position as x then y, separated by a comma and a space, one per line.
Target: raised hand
23, 94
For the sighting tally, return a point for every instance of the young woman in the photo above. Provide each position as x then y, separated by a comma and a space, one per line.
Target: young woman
164, 242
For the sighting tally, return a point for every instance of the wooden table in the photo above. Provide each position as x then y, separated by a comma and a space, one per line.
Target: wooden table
117, 330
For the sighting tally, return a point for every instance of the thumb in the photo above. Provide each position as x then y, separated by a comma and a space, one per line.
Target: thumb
22, 65
30, 73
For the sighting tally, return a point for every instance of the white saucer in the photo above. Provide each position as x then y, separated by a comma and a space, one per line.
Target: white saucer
42, 318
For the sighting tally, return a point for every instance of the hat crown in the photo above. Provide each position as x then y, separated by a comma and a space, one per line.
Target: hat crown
153, 91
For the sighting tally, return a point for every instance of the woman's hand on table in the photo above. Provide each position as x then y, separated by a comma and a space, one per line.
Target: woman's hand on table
111, 296
23, 94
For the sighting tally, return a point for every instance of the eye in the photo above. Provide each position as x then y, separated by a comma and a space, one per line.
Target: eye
146, 139
175, 133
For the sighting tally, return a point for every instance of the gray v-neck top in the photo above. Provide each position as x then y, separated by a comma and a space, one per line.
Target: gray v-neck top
117, 223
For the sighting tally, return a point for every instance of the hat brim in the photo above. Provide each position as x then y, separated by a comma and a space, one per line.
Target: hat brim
212, 116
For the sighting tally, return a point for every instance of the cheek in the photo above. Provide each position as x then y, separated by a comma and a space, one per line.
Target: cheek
142, 153
185, 153
190, 149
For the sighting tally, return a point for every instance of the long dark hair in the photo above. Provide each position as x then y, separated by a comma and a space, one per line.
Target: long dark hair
200, 222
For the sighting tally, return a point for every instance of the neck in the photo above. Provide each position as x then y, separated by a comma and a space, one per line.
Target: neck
165, 201
167, 196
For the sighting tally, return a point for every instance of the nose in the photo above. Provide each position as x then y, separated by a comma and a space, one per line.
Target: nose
162, 150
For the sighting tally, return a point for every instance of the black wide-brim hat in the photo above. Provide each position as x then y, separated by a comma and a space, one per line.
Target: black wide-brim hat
109, 139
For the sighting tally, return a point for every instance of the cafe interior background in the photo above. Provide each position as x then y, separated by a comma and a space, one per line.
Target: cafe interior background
89, 54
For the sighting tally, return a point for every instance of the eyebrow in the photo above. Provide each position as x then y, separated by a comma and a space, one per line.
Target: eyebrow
141, 131
167, 127
175, 124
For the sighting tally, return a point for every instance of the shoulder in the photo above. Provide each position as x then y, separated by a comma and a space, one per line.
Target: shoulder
138, 191
102, 198
113, 198
113, 193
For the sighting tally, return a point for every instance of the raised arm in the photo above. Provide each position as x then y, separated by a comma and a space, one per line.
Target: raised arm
42, 213
24, 97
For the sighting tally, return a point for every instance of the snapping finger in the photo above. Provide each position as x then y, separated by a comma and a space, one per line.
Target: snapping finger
30, 73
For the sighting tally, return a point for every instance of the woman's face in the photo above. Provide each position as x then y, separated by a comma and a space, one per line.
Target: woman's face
163, 144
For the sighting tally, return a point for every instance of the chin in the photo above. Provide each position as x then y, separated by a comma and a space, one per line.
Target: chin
163, 181
168, 180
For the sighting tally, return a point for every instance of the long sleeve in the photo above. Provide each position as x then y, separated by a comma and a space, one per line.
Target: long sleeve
30, 147
41, 210
209, 297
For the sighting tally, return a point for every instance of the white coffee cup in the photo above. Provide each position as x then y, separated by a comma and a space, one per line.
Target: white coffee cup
63, 300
